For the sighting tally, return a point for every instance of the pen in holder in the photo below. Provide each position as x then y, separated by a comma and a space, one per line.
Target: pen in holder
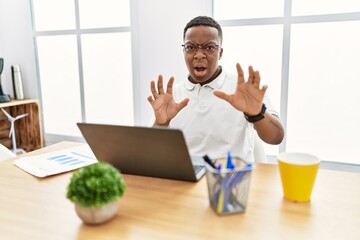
229, 188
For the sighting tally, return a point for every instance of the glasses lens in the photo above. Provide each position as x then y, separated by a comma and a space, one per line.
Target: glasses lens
190, 48
209, 48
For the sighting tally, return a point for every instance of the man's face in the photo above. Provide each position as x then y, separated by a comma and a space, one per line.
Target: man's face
202, 65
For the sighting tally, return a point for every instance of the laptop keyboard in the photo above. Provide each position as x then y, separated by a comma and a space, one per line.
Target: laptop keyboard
197, 168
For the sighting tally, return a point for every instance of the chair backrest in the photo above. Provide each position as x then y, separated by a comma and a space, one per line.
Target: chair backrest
259, 152
5, 153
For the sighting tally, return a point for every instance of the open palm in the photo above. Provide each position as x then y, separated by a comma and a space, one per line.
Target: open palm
248, 97
164, 106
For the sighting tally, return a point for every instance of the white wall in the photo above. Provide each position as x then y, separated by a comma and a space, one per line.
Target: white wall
16, 45
157, 27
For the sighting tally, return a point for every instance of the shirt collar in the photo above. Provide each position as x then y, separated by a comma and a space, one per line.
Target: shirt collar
217, 83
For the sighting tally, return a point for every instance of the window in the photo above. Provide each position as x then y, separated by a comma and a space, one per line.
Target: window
113, 13
313, 79
53, 15
107, 77
60, 84
235, 9
315, 7
324, 74
84, 61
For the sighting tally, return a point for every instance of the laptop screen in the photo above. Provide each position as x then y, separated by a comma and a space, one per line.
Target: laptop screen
153, 152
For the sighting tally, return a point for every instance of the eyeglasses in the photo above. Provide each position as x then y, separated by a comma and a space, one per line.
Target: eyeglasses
193, 48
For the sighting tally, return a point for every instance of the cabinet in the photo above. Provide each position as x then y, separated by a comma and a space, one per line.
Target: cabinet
28, 130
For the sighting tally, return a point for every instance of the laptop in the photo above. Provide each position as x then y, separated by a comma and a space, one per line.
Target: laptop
146, 151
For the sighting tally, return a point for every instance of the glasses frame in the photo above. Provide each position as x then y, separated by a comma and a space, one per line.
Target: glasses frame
201, 46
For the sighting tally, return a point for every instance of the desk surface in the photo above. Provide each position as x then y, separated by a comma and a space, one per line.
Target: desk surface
152, 208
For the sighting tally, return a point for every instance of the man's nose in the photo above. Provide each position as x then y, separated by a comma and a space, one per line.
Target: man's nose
199, 54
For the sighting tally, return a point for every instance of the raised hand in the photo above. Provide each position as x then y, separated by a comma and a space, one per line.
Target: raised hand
248, 96
164, 106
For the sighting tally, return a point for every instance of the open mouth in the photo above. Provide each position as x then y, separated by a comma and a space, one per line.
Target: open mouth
200, 71
200, 68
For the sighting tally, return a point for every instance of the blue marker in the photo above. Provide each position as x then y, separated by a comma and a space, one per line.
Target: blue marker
239, 176
229, 164
225, 186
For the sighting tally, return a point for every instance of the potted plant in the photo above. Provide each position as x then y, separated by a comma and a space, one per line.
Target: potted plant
95, 190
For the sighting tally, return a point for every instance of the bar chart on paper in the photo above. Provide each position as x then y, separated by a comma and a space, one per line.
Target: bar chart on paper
57, 162
64, 159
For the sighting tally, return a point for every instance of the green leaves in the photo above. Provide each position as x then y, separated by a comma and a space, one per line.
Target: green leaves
96, 185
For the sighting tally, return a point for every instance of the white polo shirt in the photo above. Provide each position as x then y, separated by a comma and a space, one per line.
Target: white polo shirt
211, 125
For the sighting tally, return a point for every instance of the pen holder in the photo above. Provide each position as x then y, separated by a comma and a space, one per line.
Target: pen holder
229, 188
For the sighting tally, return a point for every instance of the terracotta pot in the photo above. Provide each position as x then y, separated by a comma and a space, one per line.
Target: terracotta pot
95, 216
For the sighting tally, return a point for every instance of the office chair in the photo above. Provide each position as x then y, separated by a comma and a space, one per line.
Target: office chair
5, 153
259, 152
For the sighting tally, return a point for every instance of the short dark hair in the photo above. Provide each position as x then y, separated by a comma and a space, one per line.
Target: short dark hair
204, 21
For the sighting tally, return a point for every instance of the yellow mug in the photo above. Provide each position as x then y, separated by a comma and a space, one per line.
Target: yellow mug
298, 173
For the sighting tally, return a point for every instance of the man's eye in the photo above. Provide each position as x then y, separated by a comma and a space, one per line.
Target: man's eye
210, 47
190, 47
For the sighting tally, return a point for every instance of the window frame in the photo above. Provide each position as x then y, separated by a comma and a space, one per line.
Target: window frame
50, 138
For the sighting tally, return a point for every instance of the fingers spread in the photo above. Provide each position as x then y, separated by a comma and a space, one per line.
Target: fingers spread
183, 103
153, 90
251, 75
169, 87
241, 78
222, 95
160, 85
256, 79
264, 88
150, 99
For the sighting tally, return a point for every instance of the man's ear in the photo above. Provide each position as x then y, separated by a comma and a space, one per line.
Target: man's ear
221, 52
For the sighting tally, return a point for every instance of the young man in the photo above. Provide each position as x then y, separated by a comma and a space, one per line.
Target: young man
216, 111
